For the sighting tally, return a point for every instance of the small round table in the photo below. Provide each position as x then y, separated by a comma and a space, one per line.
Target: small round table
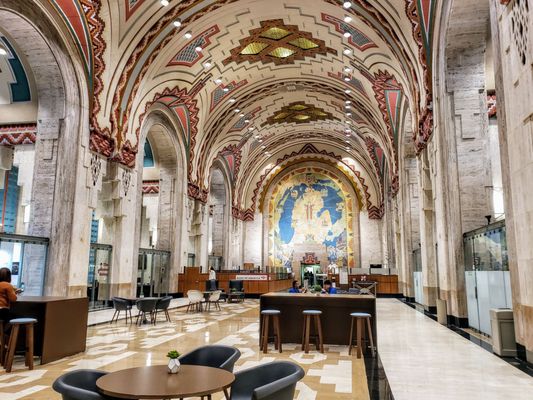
154, 382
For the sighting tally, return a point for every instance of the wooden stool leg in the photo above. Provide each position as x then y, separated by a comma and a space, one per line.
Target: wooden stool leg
11, 347
351, 337
262, 337
307, 329
265, 337
29, 346
320, 339
359, 329
303, 335
317, 339
2, 343
368, 324
278, 332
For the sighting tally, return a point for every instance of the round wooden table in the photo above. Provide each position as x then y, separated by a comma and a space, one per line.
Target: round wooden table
154, 382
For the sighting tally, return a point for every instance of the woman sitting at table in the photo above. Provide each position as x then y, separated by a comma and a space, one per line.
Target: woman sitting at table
295, 288
328, 288
8, 294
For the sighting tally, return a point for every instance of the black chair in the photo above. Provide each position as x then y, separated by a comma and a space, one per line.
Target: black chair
211, 285
236, 290
120, 304
80, 385
216, 356
272, 381
146, 306
162, 306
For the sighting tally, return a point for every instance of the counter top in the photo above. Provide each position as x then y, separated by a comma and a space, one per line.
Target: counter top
322, 295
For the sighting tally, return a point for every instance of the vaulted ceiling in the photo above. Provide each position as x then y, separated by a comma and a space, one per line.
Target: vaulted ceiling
259, 84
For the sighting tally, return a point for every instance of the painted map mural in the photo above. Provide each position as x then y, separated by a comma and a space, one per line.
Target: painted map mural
310, 212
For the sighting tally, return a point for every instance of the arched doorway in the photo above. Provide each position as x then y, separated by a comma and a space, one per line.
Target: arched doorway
219, 205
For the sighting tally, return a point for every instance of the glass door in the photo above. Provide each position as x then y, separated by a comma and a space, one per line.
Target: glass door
99, 277
153, 273
417, 276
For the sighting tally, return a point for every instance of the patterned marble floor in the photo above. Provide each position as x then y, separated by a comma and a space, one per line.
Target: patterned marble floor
333, 375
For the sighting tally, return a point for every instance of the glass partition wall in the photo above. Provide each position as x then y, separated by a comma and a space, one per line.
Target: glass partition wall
99, 277
153, 273
487, 277
26, 257
417, 276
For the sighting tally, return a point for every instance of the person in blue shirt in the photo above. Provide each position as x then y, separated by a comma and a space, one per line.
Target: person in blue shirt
295, 288
328, 288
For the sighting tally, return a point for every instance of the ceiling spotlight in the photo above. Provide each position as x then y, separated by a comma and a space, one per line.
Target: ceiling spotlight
347, 148
218, 81
348, 114
347, 130
346, 51
347, 4
236, 110
263, 147
177, 23
348, 101
232, 100
347, 34
241, 115
347, 69
348, 122
347, 91
207, 64
3, 52
347, 141
164, 3
257, 136
246, 121
347, 19
346, 79
198, 49
348, 135
260, 140
188, 35
251, 128
225, 89
347, 106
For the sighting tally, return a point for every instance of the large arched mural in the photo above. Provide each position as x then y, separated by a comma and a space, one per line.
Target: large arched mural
311, 211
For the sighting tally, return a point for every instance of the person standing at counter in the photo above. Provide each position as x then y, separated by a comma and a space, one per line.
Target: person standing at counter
8, 294
328, 288
212, 274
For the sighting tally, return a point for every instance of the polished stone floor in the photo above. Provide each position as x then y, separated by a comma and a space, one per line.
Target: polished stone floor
333, 375
425, 360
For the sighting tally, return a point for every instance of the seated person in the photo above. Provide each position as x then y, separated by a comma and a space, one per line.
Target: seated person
295, 288
328, 288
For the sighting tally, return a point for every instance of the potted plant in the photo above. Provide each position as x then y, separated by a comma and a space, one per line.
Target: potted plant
173, 362
317, 289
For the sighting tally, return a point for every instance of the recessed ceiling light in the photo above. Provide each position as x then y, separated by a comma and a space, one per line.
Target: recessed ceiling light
237, 110
347, 4
347, 69
347, 79
347, 91
347, 130
347, 148
263, 147
251, 128
164, 3
207, 64
246, 121
225, 89
346, 51
3, 52
348, 135
257, 136
348, 114
260, 140
198, 49
348, 122
347, 141
241, 115
188, 35
347, 19
348, 101
218, 81
232, 100
177, 23
347, 34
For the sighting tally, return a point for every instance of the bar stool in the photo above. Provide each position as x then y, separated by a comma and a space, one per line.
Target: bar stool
27, 323
359, 318
265, 316
315, 316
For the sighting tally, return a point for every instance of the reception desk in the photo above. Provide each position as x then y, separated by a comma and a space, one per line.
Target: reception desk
61, 328
335, 318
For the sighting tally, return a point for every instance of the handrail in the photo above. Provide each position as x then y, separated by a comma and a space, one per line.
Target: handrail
484, 229
11, 237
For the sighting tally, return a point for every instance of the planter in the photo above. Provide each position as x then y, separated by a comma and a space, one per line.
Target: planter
173, 366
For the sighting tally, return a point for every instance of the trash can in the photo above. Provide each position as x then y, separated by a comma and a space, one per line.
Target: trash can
502, 326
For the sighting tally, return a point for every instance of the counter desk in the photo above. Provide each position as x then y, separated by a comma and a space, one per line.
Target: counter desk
61, 328
335, 318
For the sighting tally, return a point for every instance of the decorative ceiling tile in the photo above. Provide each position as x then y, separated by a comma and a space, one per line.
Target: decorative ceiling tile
275, 42
188, 55
298, 112
219, 93
357, 38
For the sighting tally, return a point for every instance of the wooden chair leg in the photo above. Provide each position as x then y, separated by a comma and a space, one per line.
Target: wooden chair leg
262, 335
11, 347
278, 333
359, 329
351, 338
320, 338
303, 335
370, 338
307, 329
2, 343
265, 336
29, 346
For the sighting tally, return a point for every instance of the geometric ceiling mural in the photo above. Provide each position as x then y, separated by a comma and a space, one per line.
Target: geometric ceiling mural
275, 42
299, 113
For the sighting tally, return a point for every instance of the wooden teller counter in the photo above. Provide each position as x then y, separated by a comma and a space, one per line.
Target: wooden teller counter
255, 283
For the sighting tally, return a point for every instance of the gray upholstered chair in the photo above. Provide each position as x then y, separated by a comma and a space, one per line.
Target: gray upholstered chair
272, 381
162, 305
146, 306
120, 304
216, 356
80, 385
